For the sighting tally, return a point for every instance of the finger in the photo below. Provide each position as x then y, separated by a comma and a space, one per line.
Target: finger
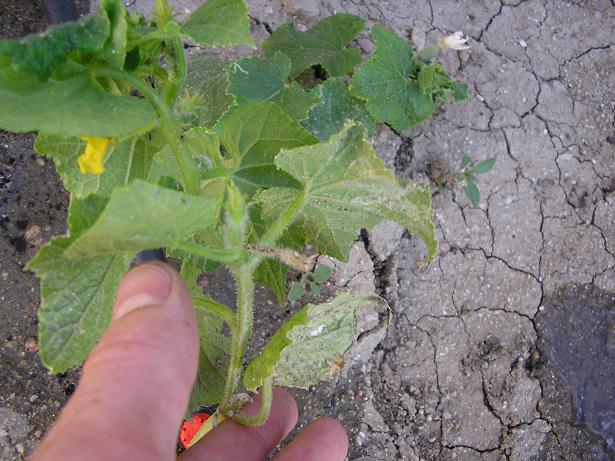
135, 385
231, 441
323, 440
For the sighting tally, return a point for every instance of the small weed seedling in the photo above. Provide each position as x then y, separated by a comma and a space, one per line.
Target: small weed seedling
223, 164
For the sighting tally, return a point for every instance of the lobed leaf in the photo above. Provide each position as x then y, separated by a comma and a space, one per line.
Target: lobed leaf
335, 107
310, 346
323, 44
219, 23
254, 133
387, 84
141, 216
255, 79
346, 187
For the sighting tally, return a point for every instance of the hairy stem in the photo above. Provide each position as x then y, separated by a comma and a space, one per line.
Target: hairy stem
219, 309
179, 72
169, 126
241, 333
284, 220
265, 409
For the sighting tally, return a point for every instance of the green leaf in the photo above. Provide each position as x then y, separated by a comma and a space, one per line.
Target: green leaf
202, 144
207, 79
65, 152
465, 161
314, 288
77, 296
77, 299
346, 187
296, 291
310, 346
114, 51
460, 91
322, 273
72, 107
335, 108
323, 44
484, 167
387, 84
219, 23
255, 79
41, 54
142, 215
273, 273
214, 355
472, 192
254, 133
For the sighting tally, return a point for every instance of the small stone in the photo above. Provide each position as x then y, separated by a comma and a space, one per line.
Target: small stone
40, 161
523, 43
432, 440
31, 345
19, 448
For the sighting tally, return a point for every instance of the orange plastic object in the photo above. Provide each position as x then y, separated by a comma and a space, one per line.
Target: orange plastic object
190, 428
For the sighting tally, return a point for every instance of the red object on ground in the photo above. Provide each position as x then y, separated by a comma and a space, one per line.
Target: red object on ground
190, 428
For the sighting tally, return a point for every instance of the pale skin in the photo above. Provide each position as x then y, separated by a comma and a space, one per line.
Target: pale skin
131, 399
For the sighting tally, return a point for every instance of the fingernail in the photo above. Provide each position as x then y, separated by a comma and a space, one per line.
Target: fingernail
146, 285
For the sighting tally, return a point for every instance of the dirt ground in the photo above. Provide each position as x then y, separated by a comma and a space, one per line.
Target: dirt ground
504, 347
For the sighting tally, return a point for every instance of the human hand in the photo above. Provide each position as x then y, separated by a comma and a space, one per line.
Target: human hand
134, 390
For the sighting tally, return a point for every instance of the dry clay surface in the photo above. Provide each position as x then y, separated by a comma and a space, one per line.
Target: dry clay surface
504, 347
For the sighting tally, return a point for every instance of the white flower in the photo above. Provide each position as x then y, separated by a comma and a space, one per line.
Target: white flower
454, 42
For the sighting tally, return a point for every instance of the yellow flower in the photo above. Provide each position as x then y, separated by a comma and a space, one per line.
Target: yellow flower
92, 160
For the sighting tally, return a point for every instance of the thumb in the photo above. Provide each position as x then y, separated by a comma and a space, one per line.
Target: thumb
136, 383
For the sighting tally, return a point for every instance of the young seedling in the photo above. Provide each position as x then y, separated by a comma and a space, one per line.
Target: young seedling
221, 164
467, 174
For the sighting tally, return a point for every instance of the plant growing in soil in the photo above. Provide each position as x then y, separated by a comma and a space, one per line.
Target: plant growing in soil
223, 164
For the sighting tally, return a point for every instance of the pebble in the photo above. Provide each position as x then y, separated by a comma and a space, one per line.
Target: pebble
19, 448
31, 345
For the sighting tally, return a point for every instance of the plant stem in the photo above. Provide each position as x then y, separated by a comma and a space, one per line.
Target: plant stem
241, 333
169, 127
223, 256
219, 309
179, 69
263, 412
284, 220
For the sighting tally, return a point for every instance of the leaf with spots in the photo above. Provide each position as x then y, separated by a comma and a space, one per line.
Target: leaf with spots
310, 346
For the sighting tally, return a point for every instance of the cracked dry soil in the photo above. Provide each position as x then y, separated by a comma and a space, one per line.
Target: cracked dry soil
504, 347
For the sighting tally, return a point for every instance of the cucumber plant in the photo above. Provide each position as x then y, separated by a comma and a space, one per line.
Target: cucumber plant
222, 164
